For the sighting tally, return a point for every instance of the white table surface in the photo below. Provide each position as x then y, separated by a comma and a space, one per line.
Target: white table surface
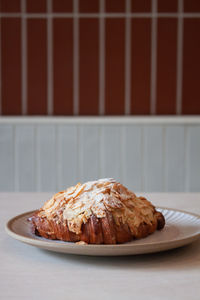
29, 273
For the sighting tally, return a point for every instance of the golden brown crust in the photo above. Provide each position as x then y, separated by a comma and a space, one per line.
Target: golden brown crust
95, 231
160, 220
124, 217
108, 229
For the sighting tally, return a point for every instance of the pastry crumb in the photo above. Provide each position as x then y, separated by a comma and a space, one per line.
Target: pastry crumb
81, 243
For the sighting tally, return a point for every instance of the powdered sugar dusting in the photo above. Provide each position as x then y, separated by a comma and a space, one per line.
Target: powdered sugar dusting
98, 198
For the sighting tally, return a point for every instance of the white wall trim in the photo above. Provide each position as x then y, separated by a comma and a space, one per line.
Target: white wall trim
151, 120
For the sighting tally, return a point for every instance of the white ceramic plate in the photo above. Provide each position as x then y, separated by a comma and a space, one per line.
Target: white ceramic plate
181, 229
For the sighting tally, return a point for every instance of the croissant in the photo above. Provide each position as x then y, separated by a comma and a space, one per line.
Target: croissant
97, 212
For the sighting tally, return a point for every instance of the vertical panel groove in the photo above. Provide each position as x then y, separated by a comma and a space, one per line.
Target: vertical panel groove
57, 158
122, 144
37, 161
123, 151
98, 145
142, 159
13, 155
101, 153
164, 157
79, 150
16, 171
187, 155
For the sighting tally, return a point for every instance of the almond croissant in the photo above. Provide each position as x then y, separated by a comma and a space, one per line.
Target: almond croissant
97, 212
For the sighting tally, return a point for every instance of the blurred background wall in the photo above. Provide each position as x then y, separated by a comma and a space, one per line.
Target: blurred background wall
100, 58
90, 57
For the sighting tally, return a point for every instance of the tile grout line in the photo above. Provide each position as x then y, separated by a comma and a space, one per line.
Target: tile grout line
24, 57
0, 71
153, 60
127, 60
179, 57
102, 15
49, 59
101, 59
76, 59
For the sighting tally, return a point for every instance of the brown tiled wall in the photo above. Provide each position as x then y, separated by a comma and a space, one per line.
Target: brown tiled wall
92, 57
63, 66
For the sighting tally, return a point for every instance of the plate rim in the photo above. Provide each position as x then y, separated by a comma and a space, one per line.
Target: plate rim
55, 243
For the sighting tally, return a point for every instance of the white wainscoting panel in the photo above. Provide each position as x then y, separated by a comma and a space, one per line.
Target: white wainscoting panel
89, 152
25, 158
110, 151
67, 159
145, 154
153, 172
6, 158
193, 178
175, 165
132, 157
46, 158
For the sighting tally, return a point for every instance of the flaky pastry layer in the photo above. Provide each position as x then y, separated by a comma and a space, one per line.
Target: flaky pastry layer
102, 211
